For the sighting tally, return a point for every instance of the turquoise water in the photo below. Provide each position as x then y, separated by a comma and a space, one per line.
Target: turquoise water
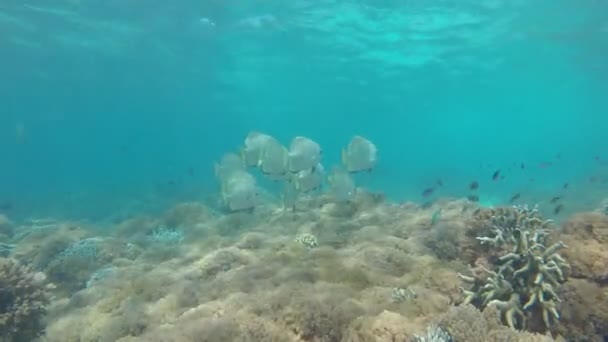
112, 108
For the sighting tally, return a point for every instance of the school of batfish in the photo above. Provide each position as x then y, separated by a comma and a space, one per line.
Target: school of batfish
298, 167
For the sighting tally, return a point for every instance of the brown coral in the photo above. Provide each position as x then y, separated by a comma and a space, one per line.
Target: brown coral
23, 300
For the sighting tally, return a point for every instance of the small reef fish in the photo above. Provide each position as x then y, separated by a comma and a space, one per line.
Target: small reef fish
359, 155
558, 209
545, 165
304, 154
341, 184
515, 197
273, 160
439, 182
229, 164
474, 185
522, 166
566, 185
555, 199
239, 191
428, 192
473, 198
496, 175
436, 217
309, 180
254, 144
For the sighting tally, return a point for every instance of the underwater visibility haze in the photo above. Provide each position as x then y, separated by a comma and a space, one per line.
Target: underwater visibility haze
303, 170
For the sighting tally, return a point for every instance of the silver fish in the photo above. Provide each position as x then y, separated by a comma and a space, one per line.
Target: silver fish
309, 180
254, 144
304, 154
229, 164
360, 155
341, 184
239, 191
273, 160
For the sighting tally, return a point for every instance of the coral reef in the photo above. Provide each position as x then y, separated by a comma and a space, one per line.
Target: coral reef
363, 271
466, 323
23, 300
524, 281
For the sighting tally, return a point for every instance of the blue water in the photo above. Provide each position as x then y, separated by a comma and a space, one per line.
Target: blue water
118, 107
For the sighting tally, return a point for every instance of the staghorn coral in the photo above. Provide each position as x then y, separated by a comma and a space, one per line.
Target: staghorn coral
525, 280
23, 300
506, 222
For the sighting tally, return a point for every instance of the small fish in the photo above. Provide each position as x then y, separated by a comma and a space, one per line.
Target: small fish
473, 198
428, 192
474, 185
191, 171
6, 206
304, 154
545, 165
439, 182
515, 197
558, 156
555, 199
593, 179
596, 158
436, 217
522, 166
566, 185
558, 209
359, 155
496, 175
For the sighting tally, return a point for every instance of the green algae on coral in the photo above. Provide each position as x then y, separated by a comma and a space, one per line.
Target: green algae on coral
526, 279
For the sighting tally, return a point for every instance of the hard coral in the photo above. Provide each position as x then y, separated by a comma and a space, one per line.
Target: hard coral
525, 280
23, 300
466, 323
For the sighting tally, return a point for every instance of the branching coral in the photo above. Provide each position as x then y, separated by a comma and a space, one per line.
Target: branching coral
23, 298
524, 280
505, 222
